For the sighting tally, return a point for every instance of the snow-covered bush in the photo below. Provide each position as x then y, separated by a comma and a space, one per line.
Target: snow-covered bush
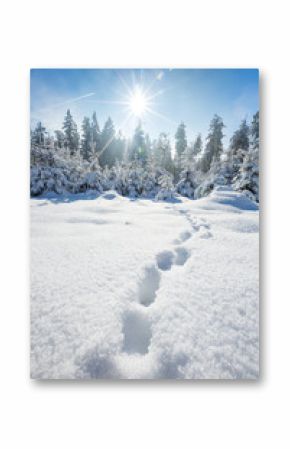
187, 184
133, 180
117, 179
204, 189
52, 179
135, 177
165, 187
93, 179
247, 179
56, 171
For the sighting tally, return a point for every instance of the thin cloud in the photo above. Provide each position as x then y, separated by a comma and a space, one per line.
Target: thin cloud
160, 75
68, 101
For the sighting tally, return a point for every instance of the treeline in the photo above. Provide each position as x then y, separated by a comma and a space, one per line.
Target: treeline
102, 159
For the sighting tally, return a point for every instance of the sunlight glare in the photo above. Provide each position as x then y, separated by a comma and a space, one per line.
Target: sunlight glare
138, 103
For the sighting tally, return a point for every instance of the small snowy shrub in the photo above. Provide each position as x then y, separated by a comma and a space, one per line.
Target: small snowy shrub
186, 186
204, 189
165, 187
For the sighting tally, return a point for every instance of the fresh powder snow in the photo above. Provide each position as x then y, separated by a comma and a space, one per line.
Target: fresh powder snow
141, 289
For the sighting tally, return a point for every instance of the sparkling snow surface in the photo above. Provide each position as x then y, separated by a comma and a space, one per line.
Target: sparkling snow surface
144, 290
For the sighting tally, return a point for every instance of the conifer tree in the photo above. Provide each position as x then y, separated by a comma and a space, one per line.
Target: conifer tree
107, 144
239, 147
180, 145
197, 146
214, 146
86, 142
162, 152
38, 135
240, 139
71, 134
95, 134
138, 150
187, 184
255, 134
60, 137
246, 177
148, 145
119, 148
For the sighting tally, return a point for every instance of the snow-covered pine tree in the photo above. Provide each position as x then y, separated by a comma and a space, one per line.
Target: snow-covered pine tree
165, 187
106, 156
180, 147
187, 183
138, 150
93, 179
59, 141
247, 177
119, 148
118, 178
197, 146
150, 177
41, 147
86, 141
214, 145
240, 138
148, 145
247, 180
254, 131
162, 152
239, 147
38, 135
71, 133
135, 178
95, 134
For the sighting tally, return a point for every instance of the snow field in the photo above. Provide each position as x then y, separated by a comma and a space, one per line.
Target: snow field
145, 290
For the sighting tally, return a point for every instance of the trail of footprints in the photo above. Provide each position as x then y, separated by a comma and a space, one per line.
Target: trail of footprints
136, 321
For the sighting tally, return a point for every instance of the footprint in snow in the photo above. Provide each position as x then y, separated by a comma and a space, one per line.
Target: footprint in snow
185, 235
137, 332
205, 235
166, 259
182, 254
149, 286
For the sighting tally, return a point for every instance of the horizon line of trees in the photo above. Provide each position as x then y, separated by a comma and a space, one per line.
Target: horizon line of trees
193, 165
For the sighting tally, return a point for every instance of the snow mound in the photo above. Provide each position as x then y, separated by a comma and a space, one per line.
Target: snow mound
222, 198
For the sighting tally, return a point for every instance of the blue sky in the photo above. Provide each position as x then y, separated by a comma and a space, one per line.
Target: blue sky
173, 95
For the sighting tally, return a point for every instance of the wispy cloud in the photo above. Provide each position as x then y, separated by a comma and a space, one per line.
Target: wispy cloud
160, 75
67, 102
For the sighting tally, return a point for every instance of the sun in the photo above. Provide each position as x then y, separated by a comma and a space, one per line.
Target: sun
138, 103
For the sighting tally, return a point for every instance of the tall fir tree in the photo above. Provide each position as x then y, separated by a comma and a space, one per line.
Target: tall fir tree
240, 139
60, 138
214, 145
95, 134
38, 135
162, 152
71, 134
246, 176
138, 150
180, 145
239, 147
119, 148
197, 146
107, 140
254, 131
148, 145
86, 141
